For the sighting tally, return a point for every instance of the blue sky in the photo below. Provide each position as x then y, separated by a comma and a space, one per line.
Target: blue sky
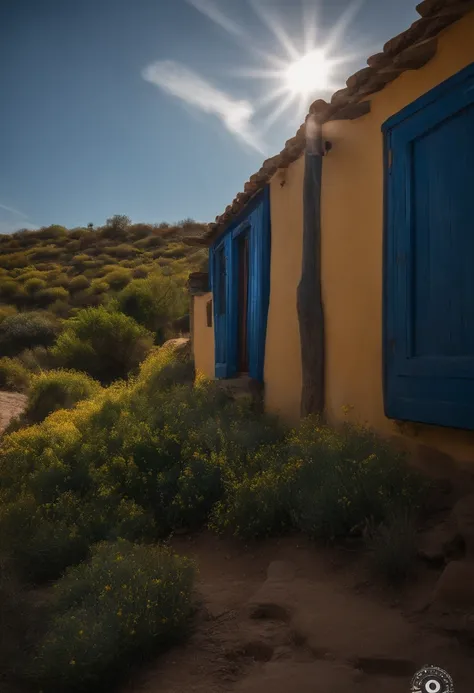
148, 107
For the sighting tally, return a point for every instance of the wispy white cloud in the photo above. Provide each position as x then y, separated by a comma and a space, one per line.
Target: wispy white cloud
15, 219
215, 14
188, 86
16, 212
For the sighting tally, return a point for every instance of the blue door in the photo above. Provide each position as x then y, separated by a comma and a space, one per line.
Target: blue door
429, 258
225, 257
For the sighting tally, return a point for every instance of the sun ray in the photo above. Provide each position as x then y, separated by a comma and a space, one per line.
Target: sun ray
269, 98
277, 113
255, 73
310, 23
271, 22
341, 26
301, 71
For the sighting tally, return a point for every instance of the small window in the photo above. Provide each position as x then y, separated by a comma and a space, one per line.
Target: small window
209, 313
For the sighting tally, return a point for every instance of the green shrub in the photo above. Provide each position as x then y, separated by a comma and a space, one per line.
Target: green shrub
98, 286
36, 359
393, 547
5, 311
62, 309
153, 302
44, 539
33, 285
342, 481
14, 260
16, 620
79, 283
51, 295
124, 250
327, 484
105, 344
118, 278
140, 272
25, 331
127, 603
79, 260
53, 232
13, 375
61, 280
9, 289
59, 389
45, 252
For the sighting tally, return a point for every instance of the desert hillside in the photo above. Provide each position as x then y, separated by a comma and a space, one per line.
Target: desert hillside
60, 288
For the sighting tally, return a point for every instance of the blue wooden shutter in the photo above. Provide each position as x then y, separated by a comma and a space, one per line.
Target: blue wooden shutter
429, 258
259, 284
222, 262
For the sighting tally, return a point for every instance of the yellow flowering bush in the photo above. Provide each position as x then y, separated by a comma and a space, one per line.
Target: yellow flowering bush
58, 389
140, 459
127, 602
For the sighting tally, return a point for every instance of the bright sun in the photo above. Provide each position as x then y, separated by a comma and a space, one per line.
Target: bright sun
309, 73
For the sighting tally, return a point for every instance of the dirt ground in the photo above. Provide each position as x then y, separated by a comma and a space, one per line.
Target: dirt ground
11, 404
286, 616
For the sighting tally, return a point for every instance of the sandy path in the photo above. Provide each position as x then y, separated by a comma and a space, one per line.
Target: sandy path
322, 626
11, 404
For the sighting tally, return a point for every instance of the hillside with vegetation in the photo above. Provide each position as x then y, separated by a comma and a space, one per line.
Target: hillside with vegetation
94, 300
123, 449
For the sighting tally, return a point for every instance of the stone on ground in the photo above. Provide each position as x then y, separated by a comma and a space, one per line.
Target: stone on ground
455, 587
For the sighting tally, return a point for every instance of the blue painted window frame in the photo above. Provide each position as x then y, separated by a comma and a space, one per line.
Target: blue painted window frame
255, 220
440, 392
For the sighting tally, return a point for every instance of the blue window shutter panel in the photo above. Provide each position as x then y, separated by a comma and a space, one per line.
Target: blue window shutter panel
223, 261
259, 285
429, 257
218, 269
232, 306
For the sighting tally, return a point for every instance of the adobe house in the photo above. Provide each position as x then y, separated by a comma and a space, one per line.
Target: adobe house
342, 277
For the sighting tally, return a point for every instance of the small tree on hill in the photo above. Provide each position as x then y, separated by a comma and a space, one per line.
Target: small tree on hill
117, 225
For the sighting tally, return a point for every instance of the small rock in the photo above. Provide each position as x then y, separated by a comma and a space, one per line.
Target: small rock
274, 612
455, 587
439, 543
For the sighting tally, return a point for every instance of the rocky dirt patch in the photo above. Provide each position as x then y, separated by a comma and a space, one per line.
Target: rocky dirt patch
286, 616
12, 404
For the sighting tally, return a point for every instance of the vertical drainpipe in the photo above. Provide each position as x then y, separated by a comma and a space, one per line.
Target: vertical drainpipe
309, 295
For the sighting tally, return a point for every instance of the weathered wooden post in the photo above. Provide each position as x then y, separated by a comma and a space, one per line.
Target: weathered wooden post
309, 298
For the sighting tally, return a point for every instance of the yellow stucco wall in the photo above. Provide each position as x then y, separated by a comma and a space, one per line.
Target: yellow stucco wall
352, 235
352, 230
203, 336
282, 373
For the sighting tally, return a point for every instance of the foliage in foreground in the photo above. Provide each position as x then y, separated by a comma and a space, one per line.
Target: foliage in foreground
14, 376
393, 546
140, 459
106, 344
25, 331
58, 389
127, 602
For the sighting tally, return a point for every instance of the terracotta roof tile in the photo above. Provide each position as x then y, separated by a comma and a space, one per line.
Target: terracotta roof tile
409, 50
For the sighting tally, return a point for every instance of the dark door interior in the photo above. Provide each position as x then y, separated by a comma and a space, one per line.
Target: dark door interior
243, 244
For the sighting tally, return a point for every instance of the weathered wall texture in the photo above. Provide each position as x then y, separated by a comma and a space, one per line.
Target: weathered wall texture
352, 236
352, 231
203, 337
282, 351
